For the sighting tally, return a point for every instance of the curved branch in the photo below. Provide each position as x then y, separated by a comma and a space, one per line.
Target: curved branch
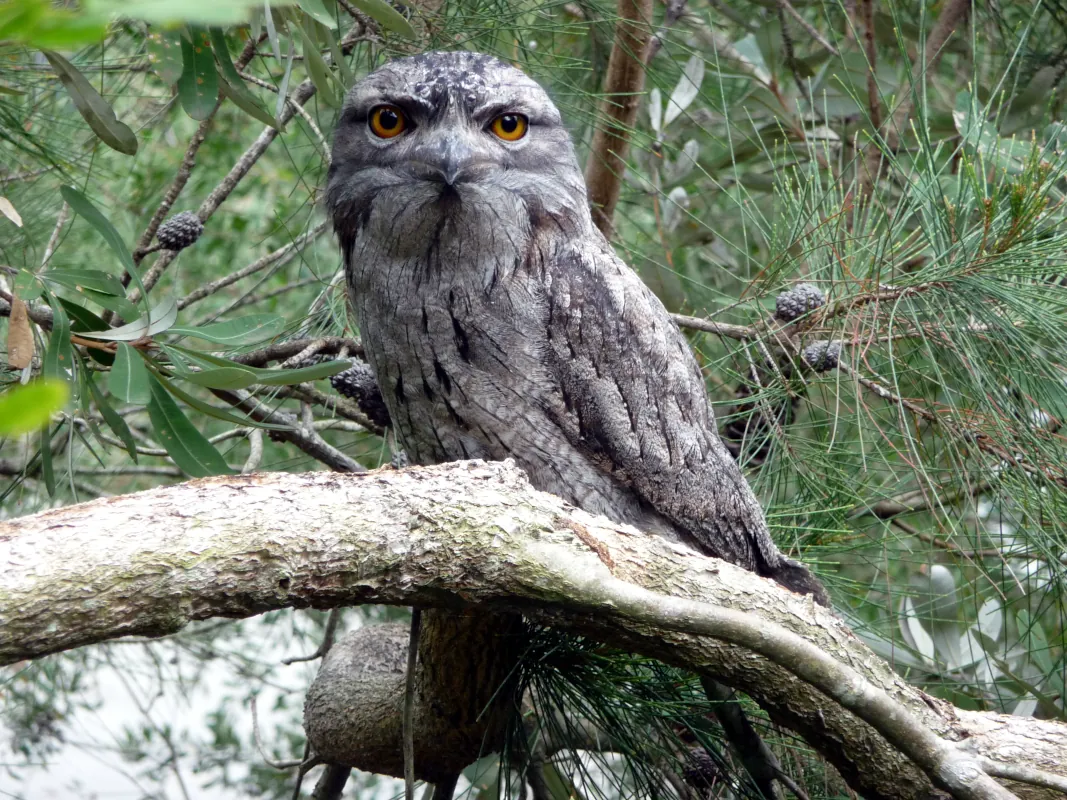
476, 534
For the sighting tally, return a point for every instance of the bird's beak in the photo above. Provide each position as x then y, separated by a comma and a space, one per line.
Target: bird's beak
446, 159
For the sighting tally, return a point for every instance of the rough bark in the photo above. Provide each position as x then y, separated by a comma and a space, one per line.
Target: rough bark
353, 709
475, 535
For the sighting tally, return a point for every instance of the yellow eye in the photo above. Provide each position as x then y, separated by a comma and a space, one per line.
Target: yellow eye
509, 127
387, 121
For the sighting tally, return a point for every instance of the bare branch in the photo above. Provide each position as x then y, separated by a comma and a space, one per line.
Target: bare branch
623, 89
275, 258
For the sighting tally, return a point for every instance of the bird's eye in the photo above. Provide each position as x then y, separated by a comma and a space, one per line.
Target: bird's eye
387, 122
509, 127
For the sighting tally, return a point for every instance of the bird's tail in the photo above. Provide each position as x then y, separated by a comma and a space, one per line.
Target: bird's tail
795, 577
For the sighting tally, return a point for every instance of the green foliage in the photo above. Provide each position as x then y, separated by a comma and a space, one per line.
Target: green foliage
28, 408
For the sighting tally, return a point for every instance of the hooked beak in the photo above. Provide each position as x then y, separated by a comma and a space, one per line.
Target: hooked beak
447, 160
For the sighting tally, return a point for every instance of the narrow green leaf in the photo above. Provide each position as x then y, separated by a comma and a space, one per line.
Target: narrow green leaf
78, 279
129, 380
161, 318
244, 101
207, 12
93, 108
232, 85
198, 86
114, 421
339, 60
83, 205
387, 16
165, 53
186, 445
286, 377
317, 11
28, 408
47, 472
82, 319
243, 330
221, 378
283, 87
324, 80
218, 413
272, 32
59, 355
28, 286
118, 305
270, 377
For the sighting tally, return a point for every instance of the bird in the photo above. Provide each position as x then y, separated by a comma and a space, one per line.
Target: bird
499, 322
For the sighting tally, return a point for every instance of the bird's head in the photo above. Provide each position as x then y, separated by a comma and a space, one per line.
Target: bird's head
449, 135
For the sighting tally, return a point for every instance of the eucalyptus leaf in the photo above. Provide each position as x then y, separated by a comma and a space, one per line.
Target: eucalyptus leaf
244, 101
165, 52
79, 279
160, 318
221, 378
232, 85
129, 379
219, 413
82, 205
272, 32
28, 285
114, 420
317, 11
287, 377
28, 408
187, 446
687, 89
283, 87
48, 474
339, 60
198, 86
59, 355
325, 82
93, 108
387, 16
243, 330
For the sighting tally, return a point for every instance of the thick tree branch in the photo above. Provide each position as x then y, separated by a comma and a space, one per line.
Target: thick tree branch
477, 534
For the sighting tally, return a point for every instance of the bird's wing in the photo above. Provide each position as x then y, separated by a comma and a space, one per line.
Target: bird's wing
634, 401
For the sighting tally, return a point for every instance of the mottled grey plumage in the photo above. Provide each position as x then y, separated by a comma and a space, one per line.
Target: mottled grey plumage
500, 323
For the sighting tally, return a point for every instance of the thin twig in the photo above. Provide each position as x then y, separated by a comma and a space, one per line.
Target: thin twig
328, 637
812, 31
739, 332
53, 240
674, 11
408, 723
280, 765
309, 442
283, 350
277, 257
185, 169
255, 452
225, 187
